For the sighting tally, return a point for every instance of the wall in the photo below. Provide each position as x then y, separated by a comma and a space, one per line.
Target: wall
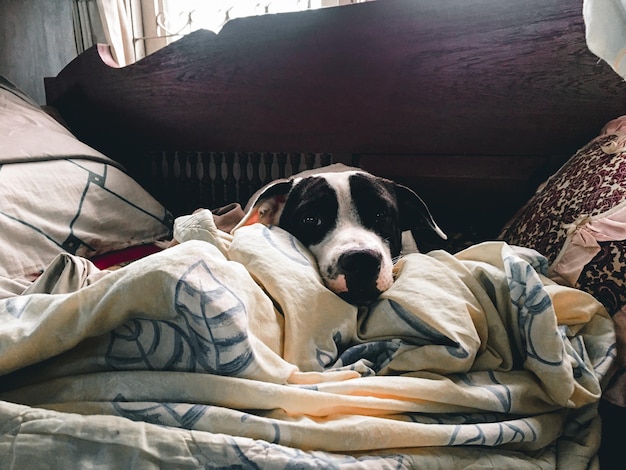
36, 40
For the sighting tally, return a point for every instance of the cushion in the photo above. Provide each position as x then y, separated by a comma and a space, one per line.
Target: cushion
577, 219
57, 195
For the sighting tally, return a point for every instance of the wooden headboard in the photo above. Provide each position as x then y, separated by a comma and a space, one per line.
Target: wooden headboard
470, 102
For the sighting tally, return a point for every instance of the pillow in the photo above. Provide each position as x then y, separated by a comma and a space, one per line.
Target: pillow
577, 219
59, 195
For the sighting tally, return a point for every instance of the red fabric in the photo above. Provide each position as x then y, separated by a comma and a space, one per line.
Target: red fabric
124, 256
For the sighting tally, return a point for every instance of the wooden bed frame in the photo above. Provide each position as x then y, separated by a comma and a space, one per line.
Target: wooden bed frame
472, 103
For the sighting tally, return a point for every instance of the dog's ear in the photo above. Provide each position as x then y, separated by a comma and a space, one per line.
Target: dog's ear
266, 206
414, 214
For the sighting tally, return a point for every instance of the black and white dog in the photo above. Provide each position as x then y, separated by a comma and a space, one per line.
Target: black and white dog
354, 224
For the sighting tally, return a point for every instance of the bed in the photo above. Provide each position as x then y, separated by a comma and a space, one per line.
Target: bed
501, 347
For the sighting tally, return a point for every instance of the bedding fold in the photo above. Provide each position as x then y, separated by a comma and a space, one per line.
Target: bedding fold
232, 346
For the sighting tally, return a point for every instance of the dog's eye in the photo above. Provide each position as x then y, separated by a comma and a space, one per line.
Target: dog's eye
382, 217
311, 221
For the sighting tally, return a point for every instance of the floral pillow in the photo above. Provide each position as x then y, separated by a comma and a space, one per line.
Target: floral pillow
577, 219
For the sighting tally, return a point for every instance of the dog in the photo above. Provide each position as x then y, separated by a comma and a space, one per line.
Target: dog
354, 223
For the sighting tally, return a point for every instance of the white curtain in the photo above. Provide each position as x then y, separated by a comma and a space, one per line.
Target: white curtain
116, 16
605, 22
134, 28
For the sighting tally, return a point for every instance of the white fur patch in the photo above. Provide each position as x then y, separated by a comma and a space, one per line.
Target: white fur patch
349, 234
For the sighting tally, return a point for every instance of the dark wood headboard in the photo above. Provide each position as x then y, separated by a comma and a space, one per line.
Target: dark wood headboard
470, 102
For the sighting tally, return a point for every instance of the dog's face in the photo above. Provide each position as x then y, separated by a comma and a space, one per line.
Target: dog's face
351, 221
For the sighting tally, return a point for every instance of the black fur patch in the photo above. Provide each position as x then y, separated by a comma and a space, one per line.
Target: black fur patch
375, 202
310, 212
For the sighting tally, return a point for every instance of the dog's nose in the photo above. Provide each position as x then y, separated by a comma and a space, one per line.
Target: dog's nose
361, 269
362, 264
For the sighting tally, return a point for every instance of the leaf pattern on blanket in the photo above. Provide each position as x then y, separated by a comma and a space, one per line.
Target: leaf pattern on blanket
294, 251
374, 355
488, 382
422, 333
173, 414
210, 333
531, 375
484, 435
531, 301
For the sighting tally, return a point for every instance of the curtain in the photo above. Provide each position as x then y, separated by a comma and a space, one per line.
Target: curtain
605, 22
116, 16
134, 28
87, 25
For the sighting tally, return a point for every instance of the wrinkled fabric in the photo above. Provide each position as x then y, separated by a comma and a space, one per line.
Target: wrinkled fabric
583, 243
230, 350
605, 31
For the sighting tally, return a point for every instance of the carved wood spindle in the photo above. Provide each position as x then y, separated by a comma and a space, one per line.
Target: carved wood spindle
150, 176
164, 169
309, 160
244, 180
163, 190
182, 184
176, 166
295, 159
268, 161
205, 180
256, 182
325, 159
218, 183
169, 188
191, 169
281, 160
231, 181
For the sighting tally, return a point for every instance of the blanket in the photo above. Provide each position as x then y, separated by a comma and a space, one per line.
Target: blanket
229, 351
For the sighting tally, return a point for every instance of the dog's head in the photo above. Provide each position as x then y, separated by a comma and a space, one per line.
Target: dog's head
352, 222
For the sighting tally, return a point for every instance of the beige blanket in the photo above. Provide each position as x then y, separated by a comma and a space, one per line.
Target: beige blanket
229, 351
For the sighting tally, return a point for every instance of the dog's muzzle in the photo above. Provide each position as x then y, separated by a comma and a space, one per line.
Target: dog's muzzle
361, 269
